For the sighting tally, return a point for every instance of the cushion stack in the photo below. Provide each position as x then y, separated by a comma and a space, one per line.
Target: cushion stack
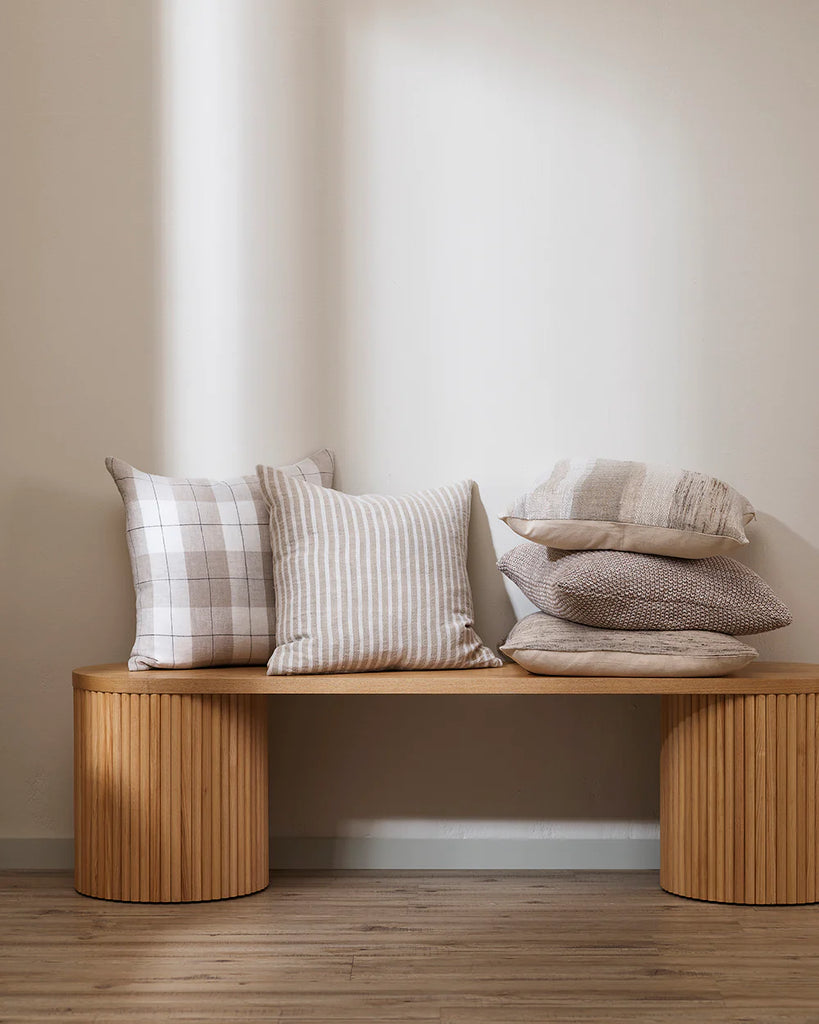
628, 565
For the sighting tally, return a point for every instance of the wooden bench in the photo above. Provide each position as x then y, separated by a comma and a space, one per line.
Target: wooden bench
170, 775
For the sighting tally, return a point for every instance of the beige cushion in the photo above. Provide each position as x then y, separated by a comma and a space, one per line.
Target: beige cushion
553, 647
203, 572
370, 582
632, 506
624, 590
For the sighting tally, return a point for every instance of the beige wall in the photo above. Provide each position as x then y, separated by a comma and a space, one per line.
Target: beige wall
448, 238
78, 312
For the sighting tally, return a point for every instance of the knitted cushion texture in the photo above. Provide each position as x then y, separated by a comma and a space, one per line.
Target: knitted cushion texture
630, 591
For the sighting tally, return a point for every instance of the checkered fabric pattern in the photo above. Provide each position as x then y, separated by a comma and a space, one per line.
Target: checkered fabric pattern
202, 564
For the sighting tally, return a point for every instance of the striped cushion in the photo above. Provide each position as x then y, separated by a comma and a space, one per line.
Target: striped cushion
370, 582
632, 506
203, 573
552, 647
624, 590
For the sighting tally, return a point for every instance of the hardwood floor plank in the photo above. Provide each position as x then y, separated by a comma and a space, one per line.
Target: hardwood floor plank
554, 1012
453, 948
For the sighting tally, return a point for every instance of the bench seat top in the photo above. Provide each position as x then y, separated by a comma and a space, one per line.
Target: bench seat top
762, 677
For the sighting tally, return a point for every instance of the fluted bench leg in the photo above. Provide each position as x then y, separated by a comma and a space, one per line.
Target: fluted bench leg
738, 797
170, 795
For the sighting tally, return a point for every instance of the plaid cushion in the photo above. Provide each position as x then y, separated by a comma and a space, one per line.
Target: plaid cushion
202, 565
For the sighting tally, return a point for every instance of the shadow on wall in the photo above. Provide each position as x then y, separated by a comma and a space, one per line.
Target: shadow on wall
79, 271
748, 355
515, 758
782, 557
494, 615
537, 192
552, 194
421, 206
73, 572
70, 602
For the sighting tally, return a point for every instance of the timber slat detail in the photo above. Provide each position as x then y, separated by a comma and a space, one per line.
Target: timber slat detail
738, 800
170, 796
170, 787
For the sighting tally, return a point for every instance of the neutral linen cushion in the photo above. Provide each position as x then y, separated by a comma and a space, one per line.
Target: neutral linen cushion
203, 572
553, 647
370, 582
623, 590
589, 504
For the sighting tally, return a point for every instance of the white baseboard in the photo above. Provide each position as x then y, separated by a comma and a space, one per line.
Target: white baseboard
385, 854
482, 854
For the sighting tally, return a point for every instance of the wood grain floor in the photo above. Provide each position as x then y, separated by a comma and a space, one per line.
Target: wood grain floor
473, 948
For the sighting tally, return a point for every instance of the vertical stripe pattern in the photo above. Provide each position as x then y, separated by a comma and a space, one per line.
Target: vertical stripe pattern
170, 796
738, 797
370, 582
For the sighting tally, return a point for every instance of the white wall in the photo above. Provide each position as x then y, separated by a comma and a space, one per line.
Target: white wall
450, 239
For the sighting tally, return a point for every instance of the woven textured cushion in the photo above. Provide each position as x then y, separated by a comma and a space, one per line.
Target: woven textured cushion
623, 590
370, 582
590, 504
203, 573
553, 647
